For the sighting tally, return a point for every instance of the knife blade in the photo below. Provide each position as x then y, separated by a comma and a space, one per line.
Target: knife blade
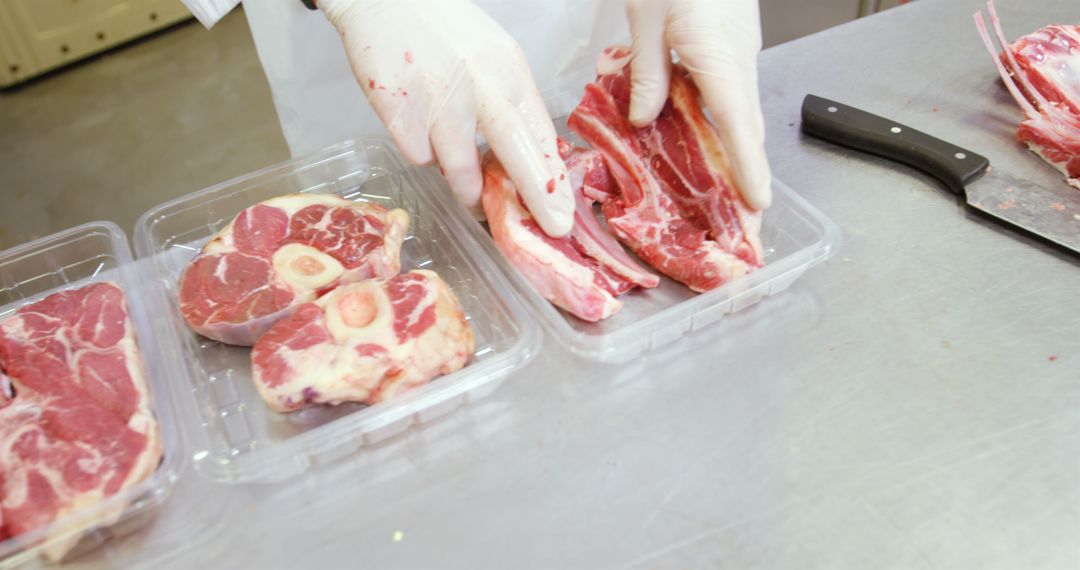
1051, 213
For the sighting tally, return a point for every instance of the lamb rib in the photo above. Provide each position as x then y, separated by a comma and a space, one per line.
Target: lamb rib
1042, 73
676, 207
583, 272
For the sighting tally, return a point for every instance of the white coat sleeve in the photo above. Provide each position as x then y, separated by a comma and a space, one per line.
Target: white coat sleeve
319, 102
208, 12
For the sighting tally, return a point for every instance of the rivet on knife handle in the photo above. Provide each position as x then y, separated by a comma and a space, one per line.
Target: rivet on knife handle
848, 126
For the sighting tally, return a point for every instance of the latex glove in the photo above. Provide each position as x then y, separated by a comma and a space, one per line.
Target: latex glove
437, 72
718, 42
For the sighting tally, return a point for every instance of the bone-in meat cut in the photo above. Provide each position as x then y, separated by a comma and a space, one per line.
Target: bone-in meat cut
582, 272
1042, 73
75, 420
677, 207
282, 253
363, 342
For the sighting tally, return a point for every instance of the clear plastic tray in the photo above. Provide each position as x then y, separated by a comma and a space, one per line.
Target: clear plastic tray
92, 252
240, 438
794, 234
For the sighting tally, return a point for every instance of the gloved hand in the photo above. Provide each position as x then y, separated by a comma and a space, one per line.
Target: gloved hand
718, 42
437, 72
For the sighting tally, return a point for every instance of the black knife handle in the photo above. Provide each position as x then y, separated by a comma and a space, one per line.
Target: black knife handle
848, 126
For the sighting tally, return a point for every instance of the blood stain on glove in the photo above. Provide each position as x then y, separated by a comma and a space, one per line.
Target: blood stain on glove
408, 56
551, 186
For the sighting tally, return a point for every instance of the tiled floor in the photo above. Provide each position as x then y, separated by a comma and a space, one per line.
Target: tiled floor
111, 137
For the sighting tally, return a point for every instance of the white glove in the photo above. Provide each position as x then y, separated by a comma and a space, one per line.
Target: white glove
718, 42
437, 72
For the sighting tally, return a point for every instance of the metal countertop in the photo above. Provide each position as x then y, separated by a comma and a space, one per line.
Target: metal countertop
912, 403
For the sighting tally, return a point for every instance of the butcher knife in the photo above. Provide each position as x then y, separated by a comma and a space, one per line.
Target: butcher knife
1050, 213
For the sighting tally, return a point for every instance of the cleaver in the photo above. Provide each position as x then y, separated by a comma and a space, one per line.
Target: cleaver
1050, 213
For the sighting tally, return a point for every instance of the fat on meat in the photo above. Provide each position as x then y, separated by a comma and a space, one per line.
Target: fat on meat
282, 253
76, 425
582, 272
677, 207
1042, 73
363, 342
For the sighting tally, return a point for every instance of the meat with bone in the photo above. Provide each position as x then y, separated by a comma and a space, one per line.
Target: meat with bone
284, 252
75, 419
676, 207
1042, 72
1048, 58
582, 272
363, 342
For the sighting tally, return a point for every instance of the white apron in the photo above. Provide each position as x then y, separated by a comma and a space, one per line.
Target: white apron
317, 98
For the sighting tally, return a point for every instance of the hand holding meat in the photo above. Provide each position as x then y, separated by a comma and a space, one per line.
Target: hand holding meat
718, 42
437, 72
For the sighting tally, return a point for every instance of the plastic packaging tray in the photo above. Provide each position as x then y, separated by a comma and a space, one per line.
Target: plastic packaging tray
89, 253
795, 237
238, 438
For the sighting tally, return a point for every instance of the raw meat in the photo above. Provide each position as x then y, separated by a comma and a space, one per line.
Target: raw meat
1042, 72
588, 172
582, 272
75, 422
284, 252
677, 207
1048, 58
363, 342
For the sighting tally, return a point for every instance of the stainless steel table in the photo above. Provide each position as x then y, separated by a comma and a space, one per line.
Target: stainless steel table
913, 403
